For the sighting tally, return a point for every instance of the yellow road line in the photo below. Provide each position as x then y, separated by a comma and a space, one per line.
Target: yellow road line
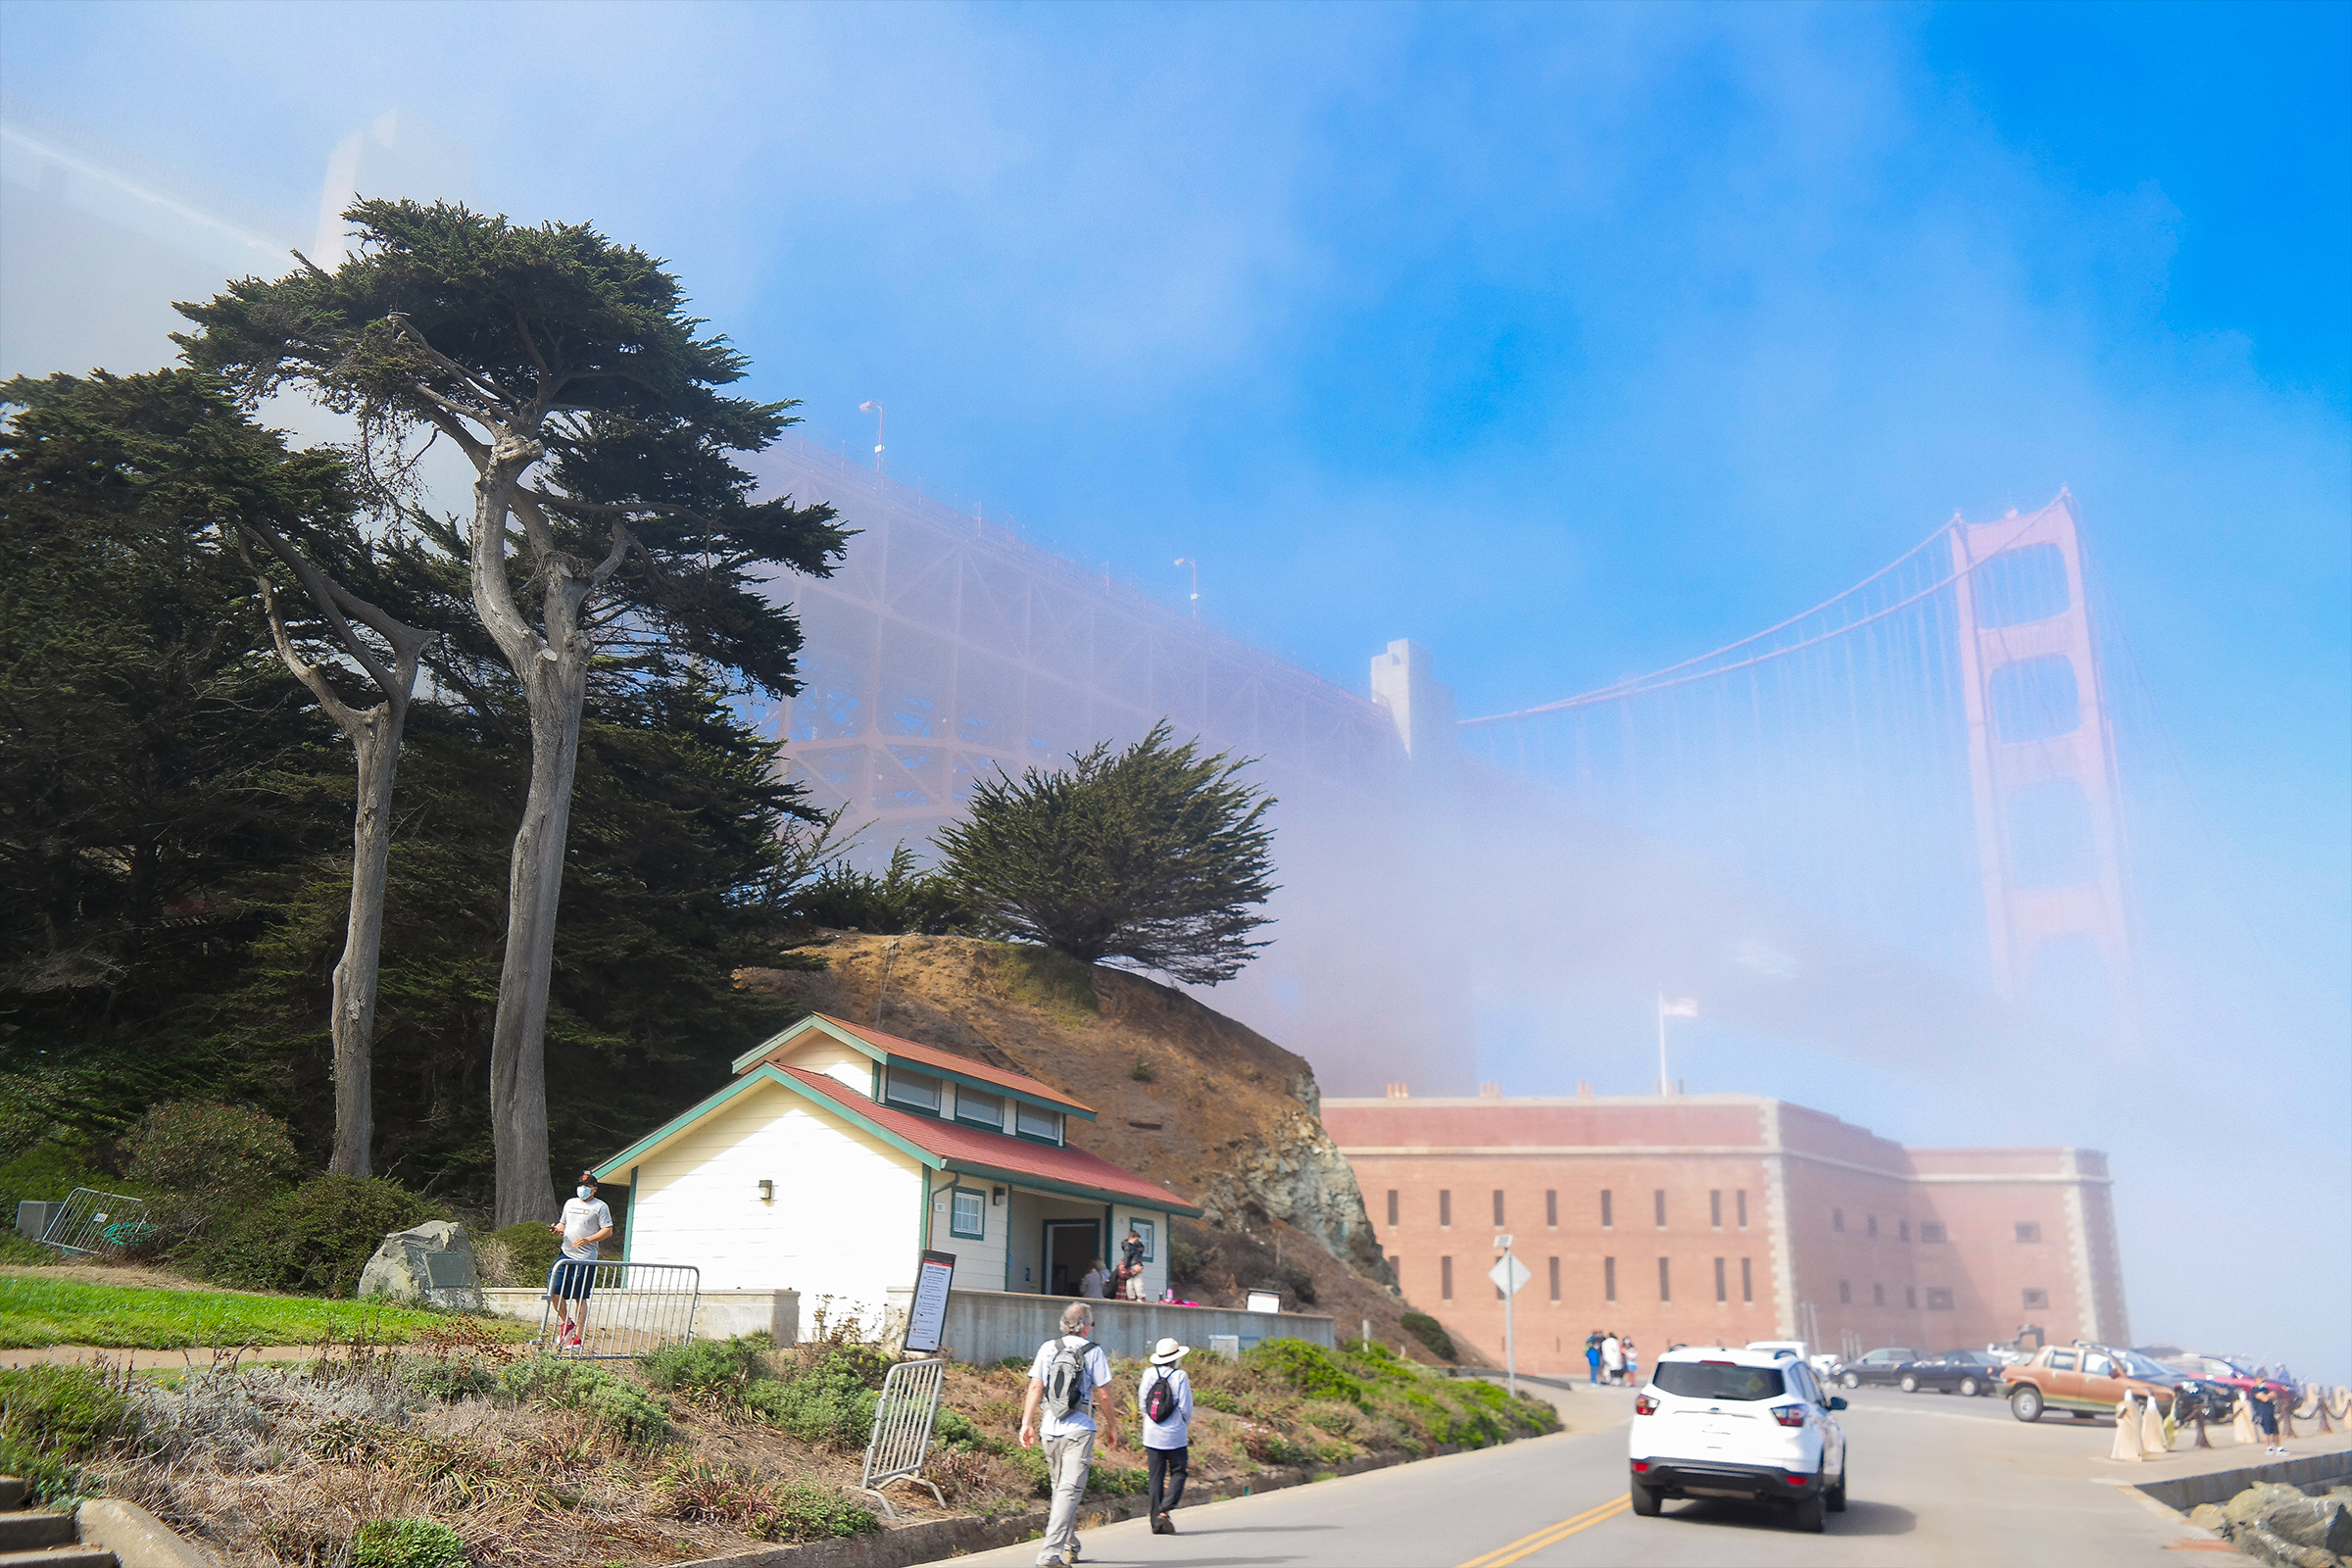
1529, 1545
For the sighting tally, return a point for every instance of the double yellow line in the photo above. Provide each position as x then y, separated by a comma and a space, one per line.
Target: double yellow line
1529, 1545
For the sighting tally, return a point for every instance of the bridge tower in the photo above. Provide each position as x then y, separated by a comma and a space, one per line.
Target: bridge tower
2042, 759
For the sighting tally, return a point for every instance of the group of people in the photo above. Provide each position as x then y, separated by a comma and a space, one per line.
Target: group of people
1070, 1387
1126, 1281
1612, 1357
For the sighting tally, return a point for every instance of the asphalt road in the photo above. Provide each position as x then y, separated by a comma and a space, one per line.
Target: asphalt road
1936, 1480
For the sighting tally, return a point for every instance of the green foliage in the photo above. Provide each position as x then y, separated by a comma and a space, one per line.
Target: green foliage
1291, 1282
408, 1544
52, 1311
1273, 1447
830, 1400
1218, 1400
717, 1371
531, 1247
204, 1158
15, 1248
54, 1417
901, 902
44, 1174
315, 1240
1152, 854
1143, 1072
623, 1409
449, 1379
1306, 1367
1186, 1261
1431, 1333
801, 1510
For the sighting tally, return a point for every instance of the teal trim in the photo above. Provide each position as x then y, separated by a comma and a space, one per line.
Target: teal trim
923, 1230
1041, 1184
956, 1189
813, 1021
628, 1237
881, 1057
1042, 1102
782, 1080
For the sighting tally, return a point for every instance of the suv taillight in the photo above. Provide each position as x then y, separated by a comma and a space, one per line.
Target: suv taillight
1789, 1415
1645, 1405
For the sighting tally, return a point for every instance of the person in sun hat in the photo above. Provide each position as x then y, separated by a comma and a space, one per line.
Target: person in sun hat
1165, 1395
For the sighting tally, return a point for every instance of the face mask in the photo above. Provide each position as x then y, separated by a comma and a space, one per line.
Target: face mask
585, 1192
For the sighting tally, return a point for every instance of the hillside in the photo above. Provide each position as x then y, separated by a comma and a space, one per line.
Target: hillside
1185, 1095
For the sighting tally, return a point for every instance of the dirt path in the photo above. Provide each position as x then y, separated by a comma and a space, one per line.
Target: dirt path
200, 1358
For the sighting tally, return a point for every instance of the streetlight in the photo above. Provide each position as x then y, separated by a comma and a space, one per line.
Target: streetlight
873, 407
1187, 560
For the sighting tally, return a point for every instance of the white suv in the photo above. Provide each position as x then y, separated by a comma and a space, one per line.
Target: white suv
1723, 1422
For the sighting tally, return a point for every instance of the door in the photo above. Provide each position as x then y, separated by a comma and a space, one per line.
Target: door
2062, 1382
1071, 1245
2102, 1380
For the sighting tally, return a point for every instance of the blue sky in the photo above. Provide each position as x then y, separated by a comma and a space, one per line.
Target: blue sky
1569, 341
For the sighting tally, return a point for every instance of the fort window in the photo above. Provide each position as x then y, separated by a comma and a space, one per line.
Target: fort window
1741, 1206
1902, 1230
1551, 1207
1445, 1279
1391, 1205
1498, 1205
1445, 1208
1929, 1232
1608, 1279
1870, 1226
1665, 1282
2037, 1301
1939, 1299
1721, 1293
1838, 1219
1878, 1296
1605, 1222
1658, 1201
1845, 1292
1748, 1279
1555, 1277
1715, 1209
2029, 1230
1911, 1297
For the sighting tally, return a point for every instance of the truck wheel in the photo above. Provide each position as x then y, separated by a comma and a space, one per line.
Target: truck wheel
1646, 1500
1852, 1380
2026, 1403
1806, 1515
1910, 1384
1970, 1388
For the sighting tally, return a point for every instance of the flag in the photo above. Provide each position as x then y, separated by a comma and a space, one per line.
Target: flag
1679, 1008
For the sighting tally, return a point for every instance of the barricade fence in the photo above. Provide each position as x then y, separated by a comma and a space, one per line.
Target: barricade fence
613, 1311
904, 1416
96, 1224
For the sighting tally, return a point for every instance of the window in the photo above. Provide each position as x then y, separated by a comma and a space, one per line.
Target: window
1658, 1201
1878, 1296
1929, 1232
1605, 1221
968, 1214
1870, 1226
1845, 1292
1722, 1293
1608, 1279
1719, 1381
2096, 1365
1939, 1299
979, 1109
1902, 1230
2029, 1230
1741, 1206
1551, 1209
1715, 1209
1748, 1279
1391, 1205
1911, 1297
1146, 1228
2061, 1360
1556, 1278
1838, 1219
912, 1091
1043, 1125
1498, 1205
1445, 1279
1444, 1207
1665, 1282
2037, 1301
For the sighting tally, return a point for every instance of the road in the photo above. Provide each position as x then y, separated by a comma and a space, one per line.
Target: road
1936, 1480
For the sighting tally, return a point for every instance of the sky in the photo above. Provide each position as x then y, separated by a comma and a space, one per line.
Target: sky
1567, 341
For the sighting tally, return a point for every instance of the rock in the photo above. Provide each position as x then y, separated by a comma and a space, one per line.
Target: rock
2323, 1522
2208, 1516
2252, 1502
2272, 1547
428, 1265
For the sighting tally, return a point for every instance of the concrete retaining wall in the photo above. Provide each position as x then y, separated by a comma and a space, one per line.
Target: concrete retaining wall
717, 1314
984, 1326
2320, 1470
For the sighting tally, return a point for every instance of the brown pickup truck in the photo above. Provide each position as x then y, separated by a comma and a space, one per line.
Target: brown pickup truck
2087, 1380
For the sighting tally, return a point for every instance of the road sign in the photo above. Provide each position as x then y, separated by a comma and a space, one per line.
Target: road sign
1510, 1276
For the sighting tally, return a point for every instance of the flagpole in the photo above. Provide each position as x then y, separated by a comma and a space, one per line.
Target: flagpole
1661, 1041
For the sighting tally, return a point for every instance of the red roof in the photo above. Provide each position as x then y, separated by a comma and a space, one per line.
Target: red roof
977, 1149
949, 1061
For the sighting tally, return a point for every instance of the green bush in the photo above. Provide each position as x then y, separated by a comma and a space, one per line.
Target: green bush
449, 1379
1431, 1333
902, 902
1184, 1260
719, 1372
1218, 1400
44, 1174
831, 1401
623, 1409
1308, 1367
15, 1248
203, 1159
315, 1240
532, 1249
407, 1543
800, 1511
52, 1418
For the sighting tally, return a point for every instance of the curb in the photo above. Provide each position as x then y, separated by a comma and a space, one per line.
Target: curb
2183, 1492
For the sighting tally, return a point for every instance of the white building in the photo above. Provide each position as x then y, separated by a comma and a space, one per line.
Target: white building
841, 1154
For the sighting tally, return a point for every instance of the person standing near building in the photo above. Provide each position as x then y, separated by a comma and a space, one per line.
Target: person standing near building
586, 1221
1166, 1395
1592, 1353
1131, 1265
1633, 1362
2262, 1403
1068, 1371
1612, 1356
1094, 1284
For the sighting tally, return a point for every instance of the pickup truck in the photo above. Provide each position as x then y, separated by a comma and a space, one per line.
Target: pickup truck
2086, 1381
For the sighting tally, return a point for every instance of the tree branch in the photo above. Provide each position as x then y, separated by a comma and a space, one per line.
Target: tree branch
348, 721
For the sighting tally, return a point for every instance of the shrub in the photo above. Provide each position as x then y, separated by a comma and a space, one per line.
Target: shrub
1431, 1333
1143, 1072
315, 1240
1306, 1367
901, 902
624, 1410
53, 1417
204, 1158
719, 1372
407, 1543
1272, 1447
43, 1174
531, 1250
831, 1401
1218, 1400
1186, 1261
800, 1511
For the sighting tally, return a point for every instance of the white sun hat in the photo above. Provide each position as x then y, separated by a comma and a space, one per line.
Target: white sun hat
1167, 1353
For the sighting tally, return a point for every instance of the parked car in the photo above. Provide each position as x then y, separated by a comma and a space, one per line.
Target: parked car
1713, 1422
2226, 1381
1821, 1364
2193, 1397
1879, 1366
2090, 1380
1968, 1373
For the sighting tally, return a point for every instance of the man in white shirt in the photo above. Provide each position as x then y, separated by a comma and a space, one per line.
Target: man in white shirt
1612, 1358
586, 1221
1167, 1441
1068, 1371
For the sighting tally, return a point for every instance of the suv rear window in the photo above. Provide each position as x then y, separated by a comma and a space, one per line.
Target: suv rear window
1705, 1380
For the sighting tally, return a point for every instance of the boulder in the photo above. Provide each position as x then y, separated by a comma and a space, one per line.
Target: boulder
2208, 1516
2259, 1498
2323, 1522
427, 1265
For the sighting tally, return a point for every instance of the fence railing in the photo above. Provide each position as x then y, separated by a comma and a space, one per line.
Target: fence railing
96, 1224
904, 1416
613, 1311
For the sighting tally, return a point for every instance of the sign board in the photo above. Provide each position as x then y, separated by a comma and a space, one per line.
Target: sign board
448, 1271
927, 1318
1264, 1301
1510, 1276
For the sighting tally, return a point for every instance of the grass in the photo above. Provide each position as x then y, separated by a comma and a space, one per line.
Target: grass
37, 1312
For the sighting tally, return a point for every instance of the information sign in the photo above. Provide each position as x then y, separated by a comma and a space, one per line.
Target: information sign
927, 1318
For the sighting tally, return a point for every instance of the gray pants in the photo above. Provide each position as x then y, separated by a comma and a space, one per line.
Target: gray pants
1066, 1462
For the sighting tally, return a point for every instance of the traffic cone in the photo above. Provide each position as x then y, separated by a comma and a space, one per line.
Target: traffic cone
2155, 1431
2241, 1426
2127, 1430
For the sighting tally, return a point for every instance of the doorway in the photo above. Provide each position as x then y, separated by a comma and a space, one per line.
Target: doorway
1071, 1245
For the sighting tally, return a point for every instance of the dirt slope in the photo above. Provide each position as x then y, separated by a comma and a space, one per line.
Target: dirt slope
1184, 1096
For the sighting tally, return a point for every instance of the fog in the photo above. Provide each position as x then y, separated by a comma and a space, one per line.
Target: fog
1571, 345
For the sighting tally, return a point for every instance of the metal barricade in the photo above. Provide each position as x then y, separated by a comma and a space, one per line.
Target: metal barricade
903, 1415
96, 1224
628, 1309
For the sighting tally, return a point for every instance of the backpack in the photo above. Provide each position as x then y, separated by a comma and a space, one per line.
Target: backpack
1065, 1378
1159, 1405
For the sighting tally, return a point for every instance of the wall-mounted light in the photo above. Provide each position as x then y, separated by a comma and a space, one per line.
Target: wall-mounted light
768, 1192
995, 1196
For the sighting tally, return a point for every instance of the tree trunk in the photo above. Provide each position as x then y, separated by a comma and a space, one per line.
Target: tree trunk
376, 743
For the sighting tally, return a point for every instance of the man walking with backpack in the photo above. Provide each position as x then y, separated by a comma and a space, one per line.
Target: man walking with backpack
1068, 1370
1166, 1396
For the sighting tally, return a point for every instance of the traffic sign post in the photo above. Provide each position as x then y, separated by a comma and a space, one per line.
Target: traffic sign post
1510, 1277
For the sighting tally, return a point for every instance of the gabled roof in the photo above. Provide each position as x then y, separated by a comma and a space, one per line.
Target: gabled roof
889, 1048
